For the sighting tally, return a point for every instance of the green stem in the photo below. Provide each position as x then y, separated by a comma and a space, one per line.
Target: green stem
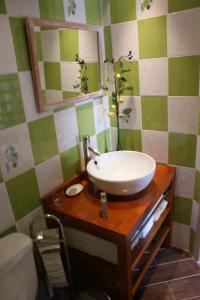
119, 147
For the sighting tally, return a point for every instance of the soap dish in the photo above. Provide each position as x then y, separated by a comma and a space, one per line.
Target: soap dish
74, 190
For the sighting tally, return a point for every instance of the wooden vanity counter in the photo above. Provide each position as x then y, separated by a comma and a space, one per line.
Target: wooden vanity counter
125, 215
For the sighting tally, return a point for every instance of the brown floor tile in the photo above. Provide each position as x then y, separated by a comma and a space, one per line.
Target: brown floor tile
155, 292
186, 288
170, 255
171, 271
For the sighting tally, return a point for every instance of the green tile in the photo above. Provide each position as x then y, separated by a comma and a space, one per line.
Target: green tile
103, 141
52, 75
38, 46
44, 98
182, 210
182, 149
70, 161
85, 118
23, 193
93, 77
153, 37
108, 139
2, 7
132, 77
154, 113
18, 30
52, 9
197, 187
131, 139
192, 240
69, 37
108, 42
11, 229
122, 11
43, 139
93, 12
184, 76
11, 106
177, 5
68, 95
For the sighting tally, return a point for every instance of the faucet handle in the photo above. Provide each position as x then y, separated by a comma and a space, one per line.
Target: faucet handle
94, 151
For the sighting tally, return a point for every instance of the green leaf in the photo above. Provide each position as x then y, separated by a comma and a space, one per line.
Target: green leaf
127, 110
125, 70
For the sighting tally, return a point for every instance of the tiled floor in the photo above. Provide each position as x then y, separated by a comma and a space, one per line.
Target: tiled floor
174, 275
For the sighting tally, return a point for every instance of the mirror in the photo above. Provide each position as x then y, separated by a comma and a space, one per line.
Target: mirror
66, 62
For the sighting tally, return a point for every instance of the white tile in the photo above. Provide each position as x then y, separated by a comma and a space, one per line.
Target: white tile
101, 108
195, 215
79, 15
185, 181
15, 151
66, 128
183, 114
69, 76
183, 33
153, 76
135, 116
41, 74
158, 8
49, 174
124, 38
50, 45
106, 12
155, 144
113, 134
6, 215
181, 236
198, 154
23, 225
7, 52
28, 97
88, 50
53, 96
21, 8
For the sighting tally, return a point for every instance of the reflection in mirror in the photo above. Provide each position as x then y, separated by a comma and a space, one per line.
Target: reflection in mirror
66, 60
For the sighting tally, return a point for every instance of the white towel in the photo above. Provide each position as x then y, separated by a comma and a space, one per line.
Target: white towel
159, 210
134, 242
147, 227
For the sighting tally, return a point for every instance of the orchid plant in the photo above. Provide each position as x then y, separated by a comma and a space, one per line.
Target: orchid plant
82, 82
119, 84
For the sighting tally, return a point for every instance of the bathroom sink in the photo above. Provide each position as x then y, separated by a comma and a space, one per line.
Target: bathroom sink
121, 172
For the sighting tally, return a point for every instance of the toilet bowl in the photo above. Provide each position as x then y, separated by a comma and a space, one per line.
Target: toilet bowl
18, 277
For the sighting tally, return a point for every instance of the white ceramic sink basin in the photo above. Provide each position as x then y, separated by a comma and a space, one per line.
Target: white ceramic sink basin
121, 172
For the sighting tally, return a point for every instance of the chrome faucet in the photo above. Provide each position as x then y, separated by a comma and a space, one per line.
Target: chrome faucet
94, 151
87, 149
86, 144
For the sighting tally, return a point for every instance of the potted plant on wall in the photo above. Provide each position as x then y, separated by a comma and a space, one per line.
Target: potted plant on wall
118, 84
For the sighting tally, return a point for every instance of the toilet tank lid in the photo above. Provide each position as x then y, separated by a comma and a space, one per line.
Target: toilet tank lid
13, 248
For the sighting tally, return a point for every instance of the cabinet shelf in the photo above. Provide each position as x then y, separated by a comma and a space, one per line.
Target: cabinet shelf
143, 244
158, 243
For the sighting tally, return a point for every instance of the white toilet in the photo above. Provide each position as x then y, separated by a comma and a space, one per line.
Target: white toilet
18, 278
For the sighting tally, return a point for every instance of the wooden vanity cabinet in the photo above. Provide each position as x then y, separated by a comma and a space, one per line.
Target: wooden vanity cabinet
125, 217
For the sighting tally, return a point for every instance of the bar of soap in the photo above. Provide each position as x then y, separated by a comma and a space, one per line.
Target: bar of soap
74, 190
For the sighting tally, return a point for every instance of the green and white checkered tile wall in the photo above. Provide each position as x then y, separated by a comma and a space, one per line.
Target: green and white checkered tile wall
38, 151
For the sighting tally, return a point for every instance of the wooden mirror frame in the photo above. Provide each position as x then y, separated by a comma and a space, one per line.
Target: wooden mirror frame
30, 24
